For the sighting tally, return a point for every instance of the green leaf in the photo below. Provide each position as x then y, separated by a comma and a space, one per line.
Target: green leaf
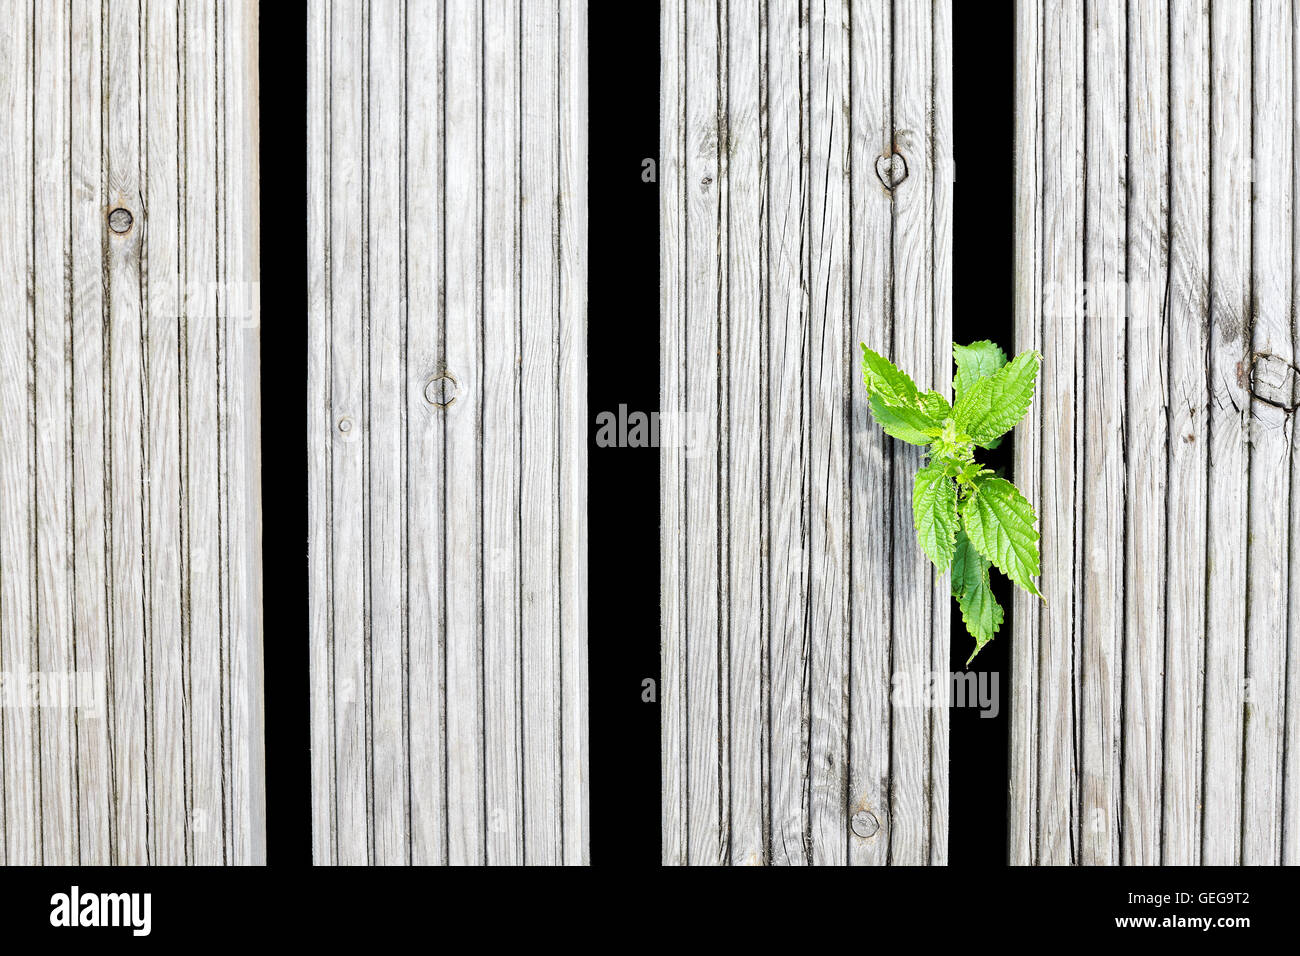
888, 382
934, 513
974, 362
936, 406
911, 425
1000, 524
993, 405
980, 610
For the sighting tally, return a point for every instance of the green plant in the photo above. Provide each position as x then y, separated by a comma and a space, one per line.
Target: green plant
967, 518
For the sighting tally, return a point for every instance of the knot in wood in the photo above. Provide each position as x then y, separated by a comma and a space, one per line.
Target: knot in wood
120, 220
1274, 381
865, 824
441, 390
891, 169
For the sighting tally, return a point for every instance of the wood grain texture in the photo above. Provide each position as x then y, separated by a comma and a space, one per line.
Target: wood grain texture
787, 610
1155, 230
447, 381
130, 576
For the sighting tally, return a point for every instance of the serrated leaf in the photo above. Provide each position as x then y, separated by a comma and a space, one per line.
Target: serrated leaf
1000, 524
936, 406
980, 610
982, 615
993, 405
974, 362
906, 424
888, 382
934, 514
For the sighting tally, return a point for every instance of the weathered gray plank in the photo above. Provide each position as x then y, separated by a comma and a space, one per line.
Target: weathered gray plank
127, 631
672, 339
830, 381
1291, 719
502, 461
744, 180
1101, 534
320, 424
465, 303
1028, 306
788, 549
52, 438
90, 622
1146, 399
131, 545
18, 633
349, 425
1272, 236
571, 214
386, 399
915, 588
163, 462
1189, 429
426, 634
705, 788
1061, 337
785, 601
447, 515
1178, 282
1230, 411
872, 321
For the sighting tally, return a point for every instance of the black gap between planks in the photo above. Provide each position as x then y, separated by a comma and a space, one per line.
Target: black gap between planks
983, 198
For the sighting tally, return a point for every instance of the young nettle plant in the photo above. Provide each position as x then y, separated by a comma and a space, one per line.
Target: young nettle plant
967, 518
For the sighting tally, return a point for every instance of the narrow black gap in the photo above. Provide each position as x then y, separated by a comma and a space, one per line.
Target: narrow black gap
982, 281
623, 482
282, 52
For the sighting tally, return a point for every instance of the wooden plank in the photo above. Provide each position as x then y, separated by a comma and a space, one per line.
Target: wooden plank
320, 426
783, 742
1230, 409
706, 742
52, 439
168, 756
537, 325
19, 650
1199, 236
348, 492
461, 627
241, 278
572, 426
502, 354
915, 589
461, 461
1062, 271
870, 476
829, 383
1146, 430
97, 829
130, 591
742, 442
1189, 434
424, 220
386, 402
1101, 478
1291, 718
127, 634
1272, 236
1028, 304
204, 582
672, 149
787, 431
